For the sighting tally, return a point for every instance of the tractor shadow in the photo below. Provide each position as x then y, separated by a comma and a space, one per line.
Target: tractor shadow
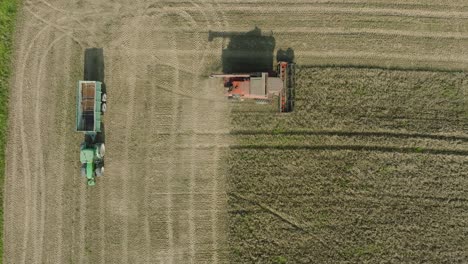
247, 52
94, 69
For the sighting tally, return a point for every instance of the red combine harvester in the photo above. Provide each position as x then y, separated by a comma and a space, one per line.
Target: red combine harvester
263, 87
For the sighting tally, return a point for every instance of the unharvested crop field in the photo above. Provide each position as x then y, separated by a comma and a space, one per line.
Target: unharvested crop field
370, 166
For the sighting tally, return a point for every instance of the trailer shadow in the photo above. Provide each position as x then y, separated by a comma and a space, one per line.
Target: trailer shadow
94, 70
101, 137
247, 52
94, 66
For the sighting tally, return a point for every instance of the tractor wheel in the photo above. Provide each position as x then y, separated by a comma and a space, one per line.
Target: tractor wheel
103, 107
104, 98
83, 171
101, 150
100, 171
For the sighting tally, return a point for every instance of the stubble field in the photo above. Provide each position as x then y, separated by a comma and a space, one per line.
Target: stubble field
369, 167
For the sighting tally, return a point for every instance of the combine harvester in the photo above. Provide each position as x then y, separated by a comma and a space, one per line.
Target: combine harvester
91, 105
263, 87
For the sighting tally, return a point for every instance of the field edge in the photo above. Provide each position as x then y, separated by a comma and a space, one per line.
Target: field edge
8, 11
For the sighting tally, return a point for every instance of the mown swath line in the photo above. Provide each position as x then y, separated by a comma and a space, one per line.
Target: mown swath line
434, 198
348, 134
283, 217
357, 195
354, 148
377, 67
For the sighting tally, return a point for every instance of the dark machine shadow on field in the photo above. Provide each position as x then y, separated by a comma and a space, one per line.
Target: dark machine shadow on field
247, 52
94, 66
94, 71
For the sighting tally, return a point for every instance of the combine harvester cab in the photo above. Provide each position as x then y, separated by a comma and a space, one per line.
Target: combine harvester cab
91, 105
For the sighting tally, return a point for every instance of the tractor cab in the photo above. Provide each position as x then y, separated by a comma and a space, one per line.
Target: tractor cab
92, 162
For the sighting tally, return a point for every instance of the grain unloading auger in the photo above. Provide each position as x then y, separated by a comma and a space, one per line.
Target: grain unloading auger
91, 105
263, 86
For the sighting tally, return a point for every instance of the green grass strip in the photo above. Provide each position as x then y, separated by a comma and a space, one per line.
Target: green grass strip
8, 10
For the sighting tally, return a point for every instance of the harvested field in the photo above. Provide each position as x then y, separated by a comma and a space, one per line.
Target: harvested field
162, 198
369, 167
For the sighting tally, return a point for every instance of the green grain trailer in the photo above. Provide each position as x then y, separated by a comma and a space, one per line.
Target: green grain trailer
91, 105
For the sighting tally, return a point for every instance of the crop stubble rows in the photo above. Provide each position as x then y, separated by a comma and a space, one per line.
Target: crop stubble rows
158, 202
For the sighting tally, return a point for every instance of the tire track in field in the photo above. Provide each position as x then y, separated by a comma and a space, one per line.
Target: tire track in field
199, 61
372, 55
214, 223
82, 209
198, 66
54, 177
41, 13
40, 178
172, 141
147, 173
193, 146
57, 27
68, 12
102, 223
176, 112
307, 9
17, 126
134, 41
31, 202
355, 147
61, 154
215, 158
136, 114
458, 35
170, 253
366, 2
172, 243
130, 114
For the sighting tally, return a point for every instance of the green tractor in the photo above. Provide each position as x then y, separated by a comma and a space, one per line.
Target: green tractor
91, 105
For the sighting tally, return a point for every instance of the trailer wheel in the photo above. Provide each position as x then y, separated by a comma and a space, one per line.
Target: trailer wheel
101, 150
103, 107
104, 98
100, 171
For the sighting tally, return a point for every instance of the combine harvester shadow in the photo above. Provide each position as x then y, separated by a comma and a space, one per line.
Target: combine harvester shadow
249, 71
